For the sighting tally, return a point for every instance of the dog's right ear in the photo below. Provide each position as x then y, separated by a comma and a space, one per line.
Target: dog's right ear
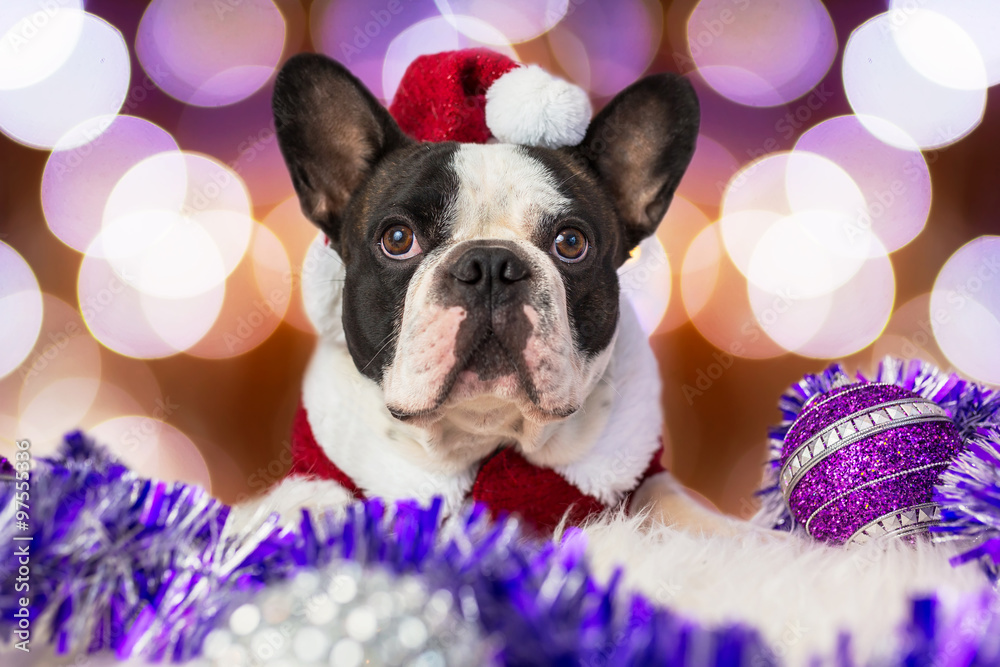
332, 133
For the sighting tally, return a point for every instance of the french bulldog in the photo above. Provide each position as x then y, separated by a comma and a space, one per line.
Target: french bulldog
467, 298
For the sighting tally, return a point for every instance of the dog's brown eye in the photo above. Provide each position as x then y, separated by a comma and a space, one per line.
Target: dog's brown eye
399, 242
570, 245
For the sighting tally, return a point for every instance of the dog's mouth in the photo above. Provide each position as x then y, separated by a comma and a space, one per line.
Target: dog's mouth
488, 360
486, 368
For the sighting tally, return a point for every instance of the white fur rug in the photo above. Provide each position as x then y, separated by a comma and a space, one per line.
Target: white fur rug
799, 593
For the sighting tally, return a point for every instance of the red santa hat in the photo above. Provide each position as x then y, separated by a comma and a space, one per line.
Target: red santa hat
474, 95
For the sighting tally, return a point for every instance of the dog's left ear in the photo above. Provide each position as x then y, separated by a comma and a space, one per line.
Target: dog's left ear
332, 132
639, 145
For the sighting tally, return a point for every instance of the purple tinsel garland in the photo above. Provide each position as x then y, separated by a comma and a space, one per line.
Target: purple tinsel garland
969, 495
968, 491
147, 569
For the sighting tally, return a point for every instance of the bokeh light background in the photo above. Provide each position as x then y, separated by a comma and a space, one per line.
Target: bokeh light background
842, 205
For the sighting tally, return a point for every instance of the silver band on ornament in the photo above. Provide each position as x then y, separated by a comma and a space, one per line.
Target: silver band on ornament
852, 429
898, 523
823, 399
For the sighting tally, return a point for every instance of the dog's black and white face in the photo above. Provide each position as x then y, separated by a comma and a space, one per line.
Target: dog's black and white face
480, 276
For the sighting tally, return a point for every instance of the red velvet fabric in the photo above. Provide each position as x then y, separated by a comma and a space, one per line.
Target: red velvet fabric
506, 482
442, 96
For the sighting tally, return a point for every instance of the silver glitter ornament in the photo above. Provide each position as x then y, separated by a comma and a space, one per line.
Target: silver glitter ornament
347, 615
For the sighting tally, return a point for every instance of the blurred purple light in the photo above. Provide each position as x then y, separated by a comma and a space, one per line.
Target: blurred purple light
210, 55
77, 181
358, 34
517, 20
895, 182
621, 36
761, 53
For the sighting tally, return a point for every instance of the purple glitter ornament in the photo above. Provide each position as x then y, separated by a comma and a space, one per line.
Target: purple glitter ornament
860, 461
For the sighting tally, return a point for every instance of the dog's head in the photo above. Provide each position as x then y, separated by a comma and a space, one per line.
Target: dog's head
480, 271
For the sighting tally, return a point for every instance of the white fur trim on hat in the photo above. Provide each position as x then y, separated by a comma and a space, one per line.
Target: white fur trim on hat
527, 105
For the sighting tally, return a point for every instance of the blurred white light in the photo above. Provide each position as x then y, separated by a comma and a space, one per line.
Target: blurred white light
57, 408
646, 280
78, 179
36, 39
793, 182
805, 255
815, 201
61, 376
715, 298
157, 183
176, 224
815, 183
571, 54
761, 53
258, 295
435, 35
153, 448
20, 309
210, 55
138, 325
622, 38
881, 82
162, 254
678, 229
700, 270
965, 309
761, 185
909, 335
741, 234
832, 324
979, 19
517, 20
296, 234
940, 49
710, 170
895, 181
741, 85
93, 81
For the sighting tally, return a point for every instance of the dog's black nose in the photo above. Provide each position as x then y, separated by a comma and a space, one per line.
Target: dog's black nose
488, 269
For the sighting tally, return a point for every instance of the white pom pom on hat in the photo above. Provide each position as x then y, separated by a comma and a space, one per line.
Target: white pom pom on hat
527, 105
